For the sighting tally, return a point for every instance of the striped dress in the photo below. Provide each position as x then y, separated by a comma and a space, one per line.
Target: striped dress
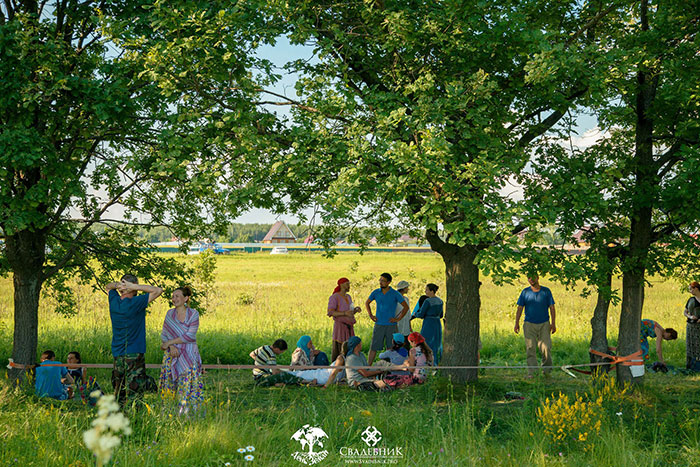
181, 377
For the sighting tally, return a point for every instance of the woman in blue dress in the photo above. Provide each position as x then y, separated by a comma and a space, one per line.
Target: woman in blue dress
431, 311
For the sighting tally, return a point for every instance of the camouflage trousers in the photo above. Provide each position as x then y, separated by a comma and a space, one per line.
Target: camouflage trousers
129, 378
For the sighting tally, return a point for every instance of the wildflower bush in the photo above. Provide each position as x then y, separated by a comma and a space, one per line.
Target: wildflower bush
571, 424
614, 397
104, 436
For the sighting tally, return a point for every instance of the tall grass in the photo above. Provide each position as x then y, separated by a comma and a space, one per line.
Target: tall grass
259, 298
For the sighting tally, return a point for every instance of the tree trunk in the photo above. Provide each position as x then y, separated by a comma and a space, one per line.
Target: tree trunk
630, 321
25, 252
644, 196
462, 308
599, 324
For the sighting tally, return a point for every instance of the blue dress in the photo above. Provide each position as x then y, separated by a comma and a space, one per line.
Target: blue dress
432, 312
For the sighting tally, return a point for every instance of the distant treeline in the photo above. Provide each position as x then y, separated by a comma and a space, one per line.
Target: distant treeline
252, 233
236, 233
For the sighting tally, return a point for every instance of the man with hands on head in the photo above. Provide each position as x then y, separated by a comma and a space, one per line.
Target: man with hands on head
127, 311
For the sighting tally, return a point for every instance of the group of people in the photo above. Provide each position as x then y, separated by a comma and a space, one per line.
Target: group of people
540, 324
396, 367
181, 369
405, 353
392, 316
61, 382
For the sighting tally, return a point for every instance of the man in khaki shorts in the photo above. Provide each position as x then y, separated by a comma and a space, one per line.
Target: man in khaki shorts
537, 328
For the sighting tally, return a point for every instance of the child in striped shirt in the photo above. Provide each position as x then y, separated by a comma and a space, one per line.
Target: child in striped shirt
267, 356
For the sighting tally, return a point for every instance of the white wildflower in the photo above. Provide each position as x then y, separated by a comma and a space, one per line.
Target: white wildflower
104, 436
250, 448
249, 457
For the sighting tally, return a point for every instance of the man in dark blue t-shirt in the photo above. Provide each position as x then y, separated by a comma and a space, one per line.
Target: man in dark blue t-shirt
385, 322
537, 328
128, 314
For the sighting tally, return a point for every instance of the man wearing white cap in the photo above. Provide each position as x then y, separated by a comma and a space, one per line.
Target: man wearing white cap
404, 323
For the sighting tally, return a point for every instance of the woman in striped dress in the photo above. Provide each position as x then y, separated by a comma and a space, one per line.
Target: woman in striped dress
181, 372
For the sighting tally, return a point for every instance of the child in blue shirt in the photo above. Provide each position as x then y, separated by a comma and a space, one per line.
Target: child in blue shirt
50, 379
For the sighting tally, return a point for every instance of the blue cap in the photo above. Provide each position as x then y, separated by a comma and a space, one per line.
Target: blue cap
398, 338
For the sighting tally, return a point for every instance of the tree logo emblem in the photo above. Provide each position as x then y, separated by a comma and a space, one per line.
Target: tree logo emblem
371, 436
309, 436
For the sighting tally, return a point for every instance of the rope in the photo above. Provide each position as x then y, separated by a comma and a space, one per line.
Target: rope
12, 365
627, 360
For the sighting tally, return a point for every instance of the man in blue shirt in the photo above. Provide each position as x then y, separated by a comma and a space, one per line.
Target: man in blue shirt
128, 314
49, 379
537, 328
386, 319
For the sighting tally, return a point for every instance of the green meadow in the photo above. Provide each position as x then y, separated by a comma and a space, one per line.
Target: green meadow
258, 298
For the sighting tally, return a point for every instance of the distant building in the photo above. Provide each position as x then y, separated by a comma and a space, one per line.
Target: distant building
579, 239
280, 233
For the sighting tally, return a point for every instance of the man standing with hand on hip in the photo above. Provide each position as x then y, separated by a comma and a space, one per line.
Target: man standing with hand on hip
385, 321
537, 328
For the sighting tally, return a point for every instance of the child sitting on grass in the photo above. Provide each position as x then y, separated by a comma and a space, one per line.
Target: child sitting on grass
267, 356
50, 379
420, 356
78, 373
83, 383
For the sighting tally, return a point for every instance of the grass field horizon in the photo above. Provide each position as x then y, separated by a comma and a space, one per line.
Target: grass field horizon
258, 298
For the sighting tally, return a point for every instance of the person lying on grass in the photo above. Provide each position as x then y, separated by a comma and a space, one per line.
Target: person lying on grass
325, 377
266, 355
420, 356
53, 381
361, 379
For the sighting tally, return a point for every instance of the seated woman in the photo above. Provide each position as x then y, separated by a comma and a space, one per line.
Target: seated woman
325, 376
420, 357
307, 355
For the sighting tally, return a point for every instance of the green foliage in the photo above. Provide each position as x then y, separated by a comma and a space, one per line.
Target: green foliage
418, 116
124, 115
648, 150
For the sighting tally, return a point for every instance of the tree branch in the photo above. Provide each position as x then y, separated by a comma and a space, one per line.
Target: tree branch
73, 249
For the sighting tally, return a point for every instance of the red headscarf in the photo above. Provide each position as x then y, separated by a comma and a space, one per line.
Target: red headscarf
416, 337
342, 280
